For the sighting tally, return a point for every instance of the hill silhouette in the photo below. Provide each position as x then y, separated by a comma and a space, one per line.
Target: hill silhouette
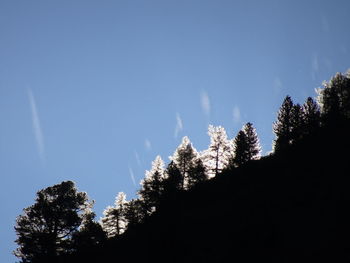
289, 206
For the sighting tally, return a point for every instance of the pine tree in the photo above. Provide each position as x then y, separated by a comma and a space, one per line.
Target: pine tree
297, 123
173, 179
334, 98
135, 212
240, 149
345, 96
217, 156
114, 222
197, 173
283, 126
254, 148
45, 229
246, 146
312, 119
90, 234
152, 186
184, 157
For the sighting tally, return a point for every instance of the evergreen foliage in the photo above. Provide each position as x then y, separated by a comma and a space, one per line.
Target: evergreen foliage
114, 222
241, 146
174, 180
197, 173
312, 116
217, 157
246, 146
89, 235
45, 229
135, 212
253, 145
283, 126
152, 186
334, 98
183, 158
297, 123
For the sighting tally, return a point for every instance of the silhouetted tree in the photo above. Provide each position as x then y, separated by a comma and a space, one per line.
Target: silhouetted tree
89, 235
197, 173
152, 185
135, 212
45, 229
113, 222
219, 152
334, 98
184, 157
312, 117
345, 97
297, 123
173, 179
283, 126
254, 148
240, 149
246, 146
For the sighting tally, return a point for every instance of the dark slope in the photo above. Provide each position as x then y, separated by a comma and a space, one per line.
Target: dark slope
290, 207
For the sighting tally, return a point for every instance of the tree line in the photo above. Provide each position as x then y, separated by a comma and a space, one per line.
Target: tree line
186, 169
61, 220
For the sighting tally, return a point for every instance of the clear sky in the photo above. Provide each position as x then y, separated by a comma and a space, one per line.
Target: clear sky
92, 91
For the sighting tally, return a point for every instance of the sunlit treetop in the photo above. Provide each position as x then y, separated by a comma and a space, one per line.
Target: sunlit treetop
217, 156
157, 167
185, 148
334, 97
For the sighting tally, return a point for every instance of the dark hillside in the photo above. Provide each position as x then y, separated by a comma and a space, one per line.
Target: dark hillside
290, 207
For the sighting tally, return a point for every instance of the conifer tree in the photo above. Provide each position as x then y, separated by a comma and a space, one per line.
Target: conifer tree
89, 235
334, 98
135, 212
240, 149
297, 123
197, 173
254, 148
152, 186
246, 146
345, 97
312, 117
114, 222
283, 126
45, 229
173, 179
184, 157
217, 156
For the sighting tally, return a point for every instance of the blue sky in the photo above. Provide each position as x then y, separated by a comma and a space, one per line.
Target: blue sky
92, 91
